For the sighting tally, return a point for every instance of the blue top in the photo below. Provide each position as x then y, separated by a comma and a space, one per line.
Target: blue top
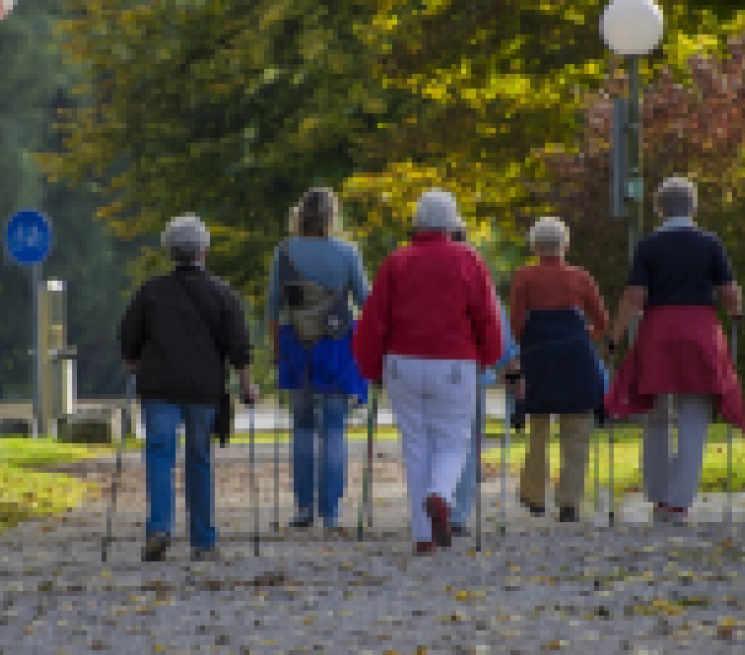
680, 264
328, 366
332, 263
511, 350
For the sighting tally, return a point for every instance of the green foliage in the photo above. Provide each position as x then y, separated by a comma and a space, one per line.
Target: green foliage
85, 255
230, 111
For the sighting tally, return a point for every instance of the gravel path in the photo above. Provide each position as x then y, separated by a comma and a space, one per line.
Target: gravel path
587, 588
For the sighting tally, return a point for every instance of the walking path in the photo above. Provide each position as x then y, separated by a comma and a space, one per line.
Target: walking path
542, 586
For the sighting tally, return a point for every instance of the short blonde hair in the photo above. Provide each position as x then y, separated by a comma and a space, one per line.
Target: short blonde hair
549, 235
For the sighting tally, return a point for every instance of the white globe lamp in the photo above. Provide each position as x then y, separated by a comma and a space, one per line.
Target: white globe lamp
632, 27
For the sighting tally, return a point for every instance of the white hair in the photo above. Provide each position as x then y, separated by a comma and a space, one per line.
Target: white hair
549, 235
676, 196
185, 238
437, 210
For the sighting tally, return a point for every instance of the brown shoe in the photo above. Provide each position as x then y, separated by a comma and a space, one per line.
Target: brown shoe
425, 547
535, 510
439, 514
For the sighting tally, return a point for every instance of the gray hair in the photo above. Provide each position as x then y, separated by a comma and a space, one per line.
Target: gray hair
185, 238
676, 196
437, 211
548, 236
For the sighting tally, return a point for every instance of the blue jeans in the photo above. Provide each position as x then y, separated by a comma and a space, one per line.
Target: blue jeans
161, 421
333, 412
466, 489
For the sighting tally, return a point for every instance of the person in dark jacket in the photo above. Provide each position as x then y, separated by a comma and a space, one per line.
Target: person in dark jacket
680, 355
176, 334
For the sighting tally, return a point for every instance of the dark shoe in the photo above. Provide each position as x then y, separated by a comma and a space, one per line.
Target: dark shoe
568, 515
156, 545
303, 519
678, 516
331, 522
438, 512
425, 547
535, 510
459, 530
204, 554
659, 513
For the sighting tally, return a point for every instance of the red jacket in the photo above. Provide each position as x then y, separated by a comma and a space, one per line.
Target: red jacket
433, 299
678, 349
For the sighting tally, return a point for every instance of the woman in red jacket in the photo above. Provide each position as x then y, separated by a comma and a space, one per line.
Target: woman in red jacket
429, 322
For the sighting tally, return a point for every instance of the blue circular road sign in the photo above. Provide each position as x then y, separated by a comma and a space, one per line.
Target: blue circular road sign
28, 237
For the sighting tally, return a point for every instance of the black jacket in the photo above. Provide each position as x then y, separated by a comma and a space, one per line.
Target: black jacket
165, 332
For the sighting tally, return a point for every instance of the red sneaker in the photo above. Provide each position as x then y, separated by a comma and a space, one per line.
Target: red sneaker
425, 547
439, 514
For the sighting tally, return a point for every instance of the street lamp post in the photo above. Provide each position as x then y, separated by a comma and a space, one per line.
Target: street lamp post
633, 28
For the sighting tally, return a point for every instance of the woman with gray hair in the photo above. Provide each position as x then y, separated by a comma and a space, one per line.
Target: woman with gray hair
431, 319
311, 277
562, 371
177, 334
680, 354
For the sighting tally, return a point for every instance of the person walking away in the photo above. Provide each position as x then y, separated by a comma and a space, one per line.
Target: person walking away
430, 321
311, 277
680, 350
465, 491
177, 334
561, 366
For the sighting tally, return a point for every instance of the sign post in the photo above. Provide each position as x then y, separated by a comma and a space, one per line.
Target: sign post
28, 241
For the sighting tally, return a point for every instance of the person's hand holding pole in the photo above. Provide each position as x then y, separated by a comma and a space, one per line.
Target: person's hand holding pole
249, 392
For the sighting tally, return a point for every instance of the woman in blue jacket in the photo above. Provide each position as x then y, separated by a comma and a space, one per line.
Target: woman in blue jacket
325, 371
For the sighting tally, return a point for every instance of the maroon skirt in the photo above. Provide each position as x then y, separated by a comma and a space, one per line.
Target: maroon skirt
679, 350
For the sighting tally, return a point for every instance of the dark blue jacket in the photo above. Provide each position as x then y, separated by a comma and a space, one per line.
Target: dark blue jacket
563, 372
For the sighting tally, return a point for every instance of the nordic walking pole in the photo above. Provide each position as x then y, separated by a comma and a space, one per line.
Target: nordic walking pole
506, 445
122, 442
480, 427
371, 408
611, 443
277, 407
252, 475
372, 423
276, 480
729, 428
597, 470
505, 439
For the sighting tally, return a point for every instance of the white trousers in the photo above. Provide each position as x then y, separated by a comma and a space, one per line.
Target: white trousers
674, 479
433, 401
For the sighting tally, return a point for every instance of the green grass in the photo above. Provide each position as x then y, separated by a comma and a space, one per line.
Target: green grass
26, 492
